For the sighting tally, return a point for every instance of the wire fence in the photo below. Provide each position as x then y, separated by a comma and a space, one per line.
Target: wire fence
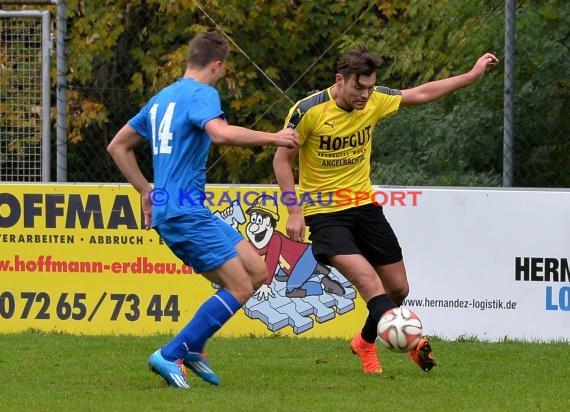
24, 96
517, 149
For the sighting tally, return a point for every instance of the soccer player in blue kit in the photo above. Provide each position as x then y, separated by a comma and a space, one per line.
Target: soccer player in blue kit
180, 123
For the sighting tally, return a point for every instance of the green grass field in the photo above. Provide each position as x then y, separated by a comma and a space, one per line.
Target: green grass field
58, 372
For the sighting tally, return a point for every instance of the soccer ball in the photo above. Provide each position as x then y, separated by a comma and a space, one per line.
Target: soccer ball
399, 329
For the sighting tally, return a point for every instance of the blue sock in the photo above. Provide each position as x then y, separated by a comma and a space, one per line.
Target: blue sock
208, 320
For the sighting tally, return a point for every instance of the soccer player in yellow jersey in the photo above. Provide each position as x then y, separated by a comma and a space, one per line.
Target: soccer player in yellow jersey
347, 229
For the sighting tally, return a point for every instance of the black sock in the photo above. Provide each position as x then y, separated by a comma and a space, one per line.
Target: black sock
377, 306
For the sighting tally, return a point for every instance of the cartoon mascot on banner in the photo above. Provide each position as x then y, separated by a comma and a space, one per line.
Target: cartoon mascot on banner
297, 285
288, 261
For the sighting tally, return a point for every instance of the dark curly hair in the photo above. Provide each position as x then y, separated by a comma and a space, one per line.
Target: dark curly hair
358, 61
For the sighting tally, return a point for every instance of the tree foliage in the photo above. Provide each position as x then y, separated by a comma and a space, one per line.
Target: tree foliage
121, 52
458, 140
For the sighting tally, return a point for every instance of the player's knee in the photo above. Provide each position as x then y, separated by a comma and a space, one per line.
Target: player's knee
258, 276
257, 272
399, 294
242, 294
240, 287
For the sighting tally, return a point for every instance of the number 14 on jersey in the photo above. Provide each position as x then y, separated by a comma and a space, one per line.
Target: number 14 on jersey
161, 140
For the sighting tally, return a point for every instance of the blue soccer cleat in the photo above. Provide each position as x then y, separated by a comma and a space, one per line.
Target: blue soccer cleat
174, 373
198, 364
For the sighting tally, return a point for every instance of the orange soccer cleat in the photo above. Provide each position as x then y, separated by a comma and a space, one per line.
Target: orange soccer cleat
421, 355
367, 354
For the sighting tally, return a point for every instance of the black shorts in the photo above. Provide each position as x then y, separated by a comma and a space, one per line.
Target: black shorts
361, 230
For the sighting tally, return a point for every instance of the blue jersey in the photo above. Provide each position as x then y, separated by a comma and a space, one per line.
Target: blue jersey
173, 123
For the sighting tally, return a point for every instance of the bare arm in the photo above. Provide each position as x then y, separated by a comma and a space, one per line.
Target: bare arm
284, 173
223, 133
121, 150
428, 92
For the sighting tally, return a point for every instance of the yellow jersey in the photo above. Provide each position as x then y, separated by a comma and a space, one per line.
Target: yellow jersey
336, 146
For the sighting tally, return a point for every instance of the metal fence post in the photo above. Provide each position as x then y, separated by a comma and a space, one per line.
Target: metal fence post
61, 64
508, 105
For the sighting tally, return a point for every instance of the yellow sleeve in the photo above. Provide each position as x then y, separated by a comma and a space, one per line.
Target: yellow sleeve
387, 102
299, 121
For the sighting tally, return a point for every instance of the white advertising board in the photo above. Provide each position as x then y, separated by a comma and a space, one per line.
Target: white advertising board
486, 263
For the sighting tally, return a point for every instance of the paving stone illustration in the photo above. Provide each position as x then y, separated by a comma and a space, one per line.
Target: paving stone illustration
300, 314
322, 312
299, 323
343, 305
263, 311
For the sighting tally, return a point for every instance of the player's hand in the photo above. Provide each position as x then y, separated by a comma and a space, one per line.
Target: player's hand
296, 227
147, 210
264, 293
485, 62
288, 138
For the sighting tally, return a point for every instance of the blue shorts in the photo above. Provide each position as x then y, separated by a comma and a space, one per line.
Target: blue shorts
200, 239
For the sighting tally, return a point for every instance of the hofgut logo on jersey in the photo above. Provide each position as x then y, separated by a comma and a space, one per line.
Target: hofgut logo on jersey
357, 139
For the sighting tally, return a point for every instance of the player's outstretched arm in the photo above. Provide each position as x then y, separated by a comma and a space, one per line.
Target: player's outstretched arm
223, 133
428, 92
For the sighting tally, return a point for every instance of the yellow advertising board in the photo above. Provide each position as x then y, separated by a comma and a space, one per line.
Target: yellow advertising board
75, 258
